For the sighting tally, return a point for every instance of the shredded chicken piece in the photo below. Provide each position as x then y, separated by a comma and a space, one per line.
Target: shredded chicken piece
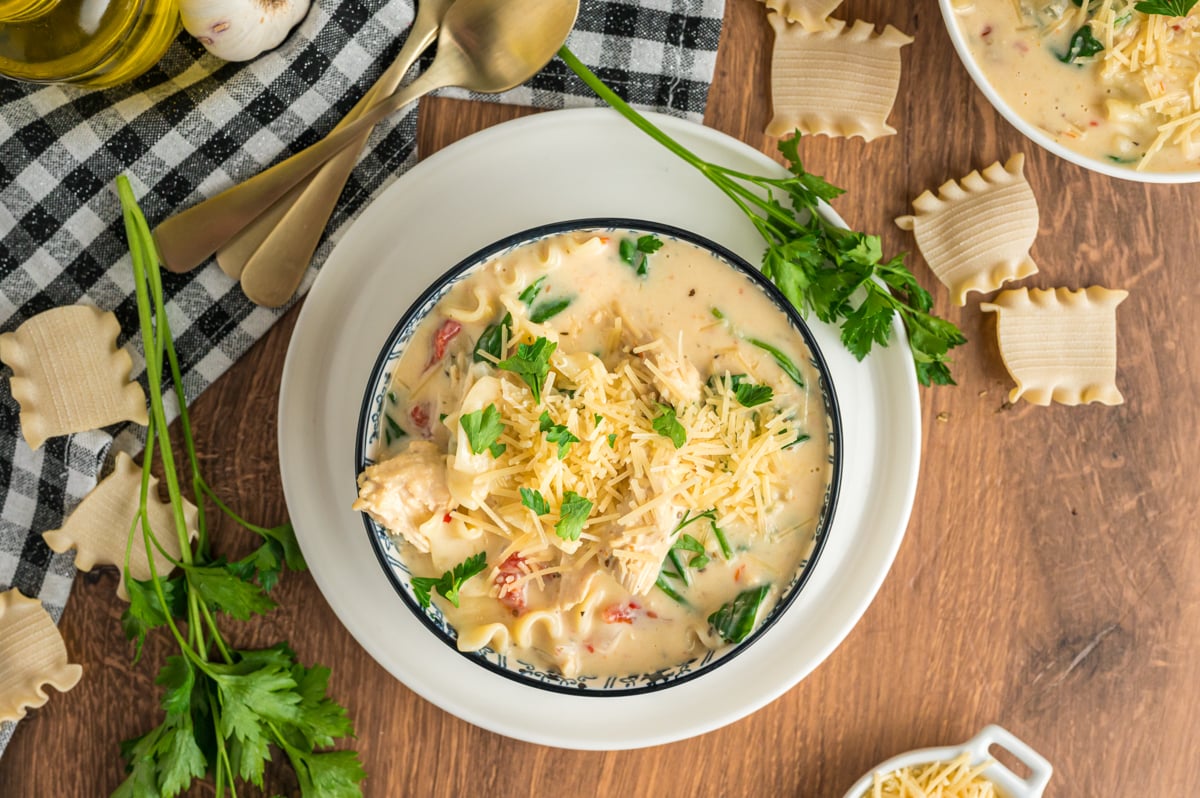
406, 491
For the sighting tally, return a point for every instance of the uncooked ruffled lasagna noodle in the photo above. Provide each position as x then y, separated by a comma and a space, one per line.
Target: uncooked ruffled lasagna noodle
32, 655
1060, 345
976, 233
837, 81
812, 14
99, 528
661, 432
68, 374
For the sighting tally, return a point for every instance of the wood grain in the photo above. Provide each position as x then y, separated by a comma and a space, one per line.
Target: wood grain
1049, 580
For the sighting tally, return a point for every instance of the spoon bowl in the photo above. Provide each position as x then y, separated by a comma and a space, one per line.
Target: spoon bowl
484, 45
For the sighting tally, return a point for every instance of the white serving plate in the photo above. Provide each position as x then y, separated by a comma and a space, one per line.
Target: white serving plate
1035, 133
546, 168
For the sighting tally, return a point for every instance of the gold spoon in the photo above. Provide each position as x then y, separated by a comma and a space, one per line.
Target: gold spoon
485, 45
299, 218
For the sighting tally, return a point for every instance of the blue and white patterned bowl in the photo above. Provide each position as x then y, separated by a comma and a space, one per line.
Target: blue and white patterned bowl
370, 435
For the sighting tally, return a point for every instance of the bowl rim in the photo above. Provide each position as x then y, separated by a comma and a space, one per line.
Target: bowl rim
1036, 134
706, 663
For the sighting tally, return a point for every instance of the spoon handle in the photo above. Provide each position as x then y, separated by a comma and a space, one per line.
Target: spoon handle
189, 237
289, 231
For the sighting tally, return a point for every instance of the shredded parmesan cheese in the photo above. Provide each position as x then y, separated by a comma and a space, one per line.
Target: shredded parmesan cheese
956, 779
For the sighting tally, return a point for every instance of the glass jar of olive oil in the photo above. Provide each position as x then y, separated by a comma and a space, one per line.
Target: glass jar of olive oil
94, 43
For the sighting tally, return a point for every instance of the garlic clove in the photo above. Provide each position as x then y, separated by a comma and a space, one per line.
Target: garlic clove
238, 30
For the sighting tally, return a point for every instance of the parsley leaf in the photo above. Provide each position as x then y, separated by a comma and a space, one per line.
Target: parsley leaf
450, 582
490, 346
483, 428
666, 424
222, 589
637, 253
1083, 44
531, 291
1168, 8
571, 515
612, 440
531, 363
818, 266
534, 500
556, 433
785, 362
751, 395
735, 620
547, 310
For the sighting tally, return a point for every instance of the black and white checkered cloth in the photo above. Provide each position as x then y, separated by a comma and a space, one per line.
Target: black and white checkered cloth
192, 127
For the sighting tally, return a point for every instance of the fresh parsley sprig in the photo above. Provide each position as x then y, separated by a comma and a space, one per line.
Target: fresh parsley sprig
531, 363
450, 582
820, 267
483, 429
637, 252
1167, 8
225, 708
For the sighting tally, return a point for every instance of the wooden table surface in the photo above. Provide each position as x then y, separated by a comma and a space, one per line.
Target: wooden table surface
1049, 580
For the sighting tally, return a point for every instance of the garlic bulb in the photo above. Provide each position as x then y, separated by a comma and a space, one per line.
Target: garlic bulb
238, 30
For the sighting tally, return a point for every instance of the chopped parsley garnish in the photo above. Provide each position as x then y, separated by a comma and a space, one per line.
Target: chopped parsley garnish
751, 395
449, 583
716, 312
491, 341
534, 500
801, 438
637, 253
666, 424
734, 621
531, 291
1167, 8
531, 363
598, 418
556, 433
785, 362
394, 431
819, 266
483, 428
612, 440
549, 309
1081, 45
571, 515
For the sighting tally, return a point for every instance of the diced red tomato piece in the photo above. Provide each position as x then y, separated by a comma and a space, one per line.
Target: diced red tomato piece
621, 613
442, 338
420, 416
446, 518
509, 572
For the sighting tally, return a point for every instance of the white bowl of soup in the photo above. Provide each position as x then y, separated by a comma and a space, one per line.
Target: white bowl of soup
1096, 82
599, 457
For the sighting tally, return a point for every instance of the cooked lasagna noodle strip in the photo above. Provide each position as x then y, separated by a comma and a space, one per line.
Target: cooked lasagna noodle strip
838, 81
812, 14
977, 232
32, 655
99, 528
1059, 345
652, 411
68, 374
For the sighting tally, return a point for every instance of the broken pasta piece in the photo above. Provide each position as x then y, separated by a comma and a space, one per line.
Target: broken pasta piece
68, 374
976, 233
33, 655
837, 81
99, 527
1059, 345
812, 14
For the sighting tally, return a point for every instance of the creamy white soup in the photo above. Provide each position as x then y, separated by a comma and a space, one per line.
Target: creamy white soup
602, 454
1099, 76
